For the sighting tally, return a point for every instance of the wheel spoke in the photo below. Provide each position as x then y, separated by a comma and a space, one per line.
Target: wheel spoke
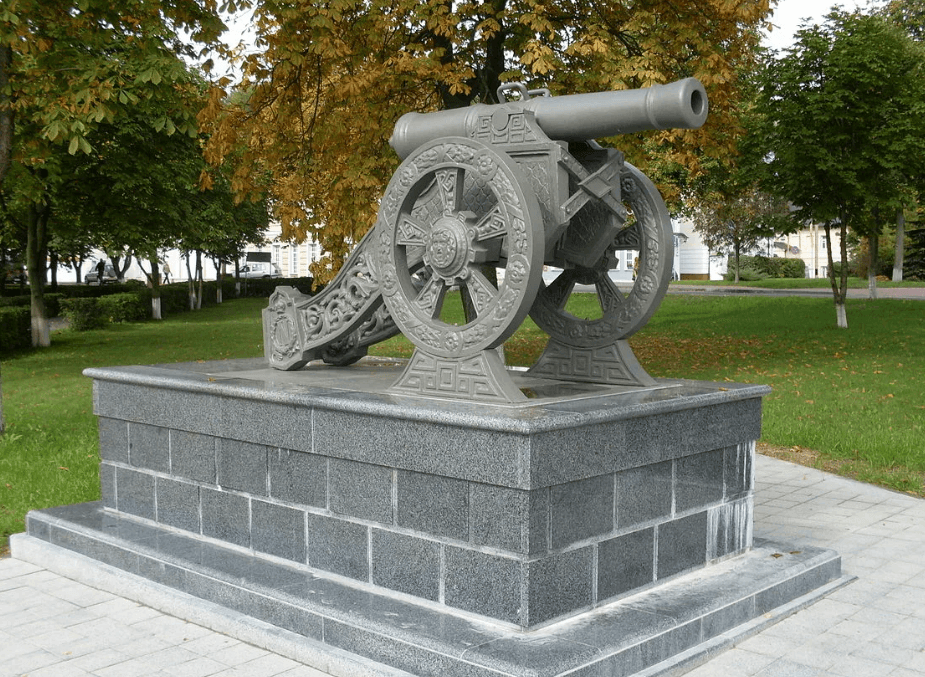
561, 288
491, 225
430, 298
609, 294
450, 183
410, 232
414, 256
481, 291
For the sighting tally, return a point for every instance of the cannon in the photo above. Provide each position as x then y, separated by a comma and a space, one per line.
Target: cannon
484, 198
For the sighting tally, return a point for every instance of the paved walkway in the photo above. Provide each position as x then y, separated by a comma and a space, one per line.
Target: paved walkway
53, 627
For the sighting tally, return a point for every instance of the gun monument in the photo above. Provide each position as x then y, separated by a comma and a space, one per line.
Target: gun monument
512, 186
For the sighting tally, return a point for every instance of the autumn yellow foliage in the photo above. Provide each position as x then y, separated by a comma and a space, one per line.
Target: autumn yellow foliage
312, 117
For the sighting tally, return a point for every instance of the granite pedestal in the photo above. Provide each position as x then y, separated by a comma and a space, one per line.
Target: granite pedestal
593, 530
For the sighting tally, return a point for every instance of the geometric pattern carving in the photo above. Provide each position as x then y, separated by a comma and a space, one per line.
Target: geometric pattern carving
481, 377
614, 364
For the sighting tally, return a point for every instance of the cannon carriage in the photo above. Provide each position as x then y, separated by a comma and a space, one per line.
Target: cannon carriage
484, 198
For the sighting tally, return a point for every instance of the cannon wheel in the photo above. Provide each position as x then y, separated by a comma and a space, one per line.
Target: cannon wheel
621, 314
452, 208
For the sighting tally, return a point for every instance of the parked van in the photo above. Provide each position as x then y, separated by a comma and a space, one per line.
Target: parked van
260, 269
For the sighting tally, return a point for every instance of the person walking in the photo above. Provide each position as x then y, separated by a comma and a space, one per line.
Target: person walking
100, 269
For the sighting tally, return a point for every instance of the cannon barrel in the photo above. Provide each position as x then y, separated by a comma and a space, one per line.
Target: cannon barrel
574, 117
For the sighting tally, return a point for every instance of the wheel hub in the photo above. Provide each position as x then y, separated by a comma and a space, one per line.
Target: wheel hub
448, 248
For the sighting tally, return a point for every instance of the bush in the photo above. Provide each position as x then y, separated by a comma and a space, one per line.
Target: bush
53, 304
84, 313
12, 301
264, 288
128, 307
745, 275
15, 328
769, 267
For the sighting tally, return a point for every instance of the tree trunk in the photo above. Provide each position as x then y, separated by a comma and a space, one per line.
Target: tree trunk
736, 250
36, 247
199, 279
191, 285
839, 287
900, 244
53, 267
121, 269
154, 279
219, 276
873, 247
237, 278
6, 111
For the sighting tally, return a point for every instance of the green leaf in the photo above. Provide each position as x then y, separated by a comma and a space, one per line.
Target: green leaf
74, 145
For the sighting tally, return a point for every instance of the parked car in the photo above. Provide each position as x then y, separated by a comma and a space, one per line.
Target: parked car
260, 269
109, 275
15, 274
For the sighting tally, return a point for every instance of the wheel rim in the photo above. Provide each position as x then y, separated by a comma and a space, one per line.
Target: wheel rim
621, 314
452, 208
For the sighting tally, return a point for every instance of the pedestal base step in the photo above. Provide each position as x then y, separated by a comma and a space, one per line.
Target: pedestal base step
346, 629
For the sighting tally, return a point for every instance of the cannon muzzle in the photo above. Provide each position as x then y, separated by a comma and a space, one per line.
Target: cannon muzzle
575, 117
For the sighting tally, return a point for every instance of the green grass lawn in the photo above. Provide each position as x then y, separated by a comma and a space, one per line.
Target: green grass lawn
854, 395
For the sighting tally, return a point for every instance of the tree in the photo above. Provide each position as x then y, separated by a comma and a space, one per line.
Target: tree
735, 218
844, 124
321, 97
72, 65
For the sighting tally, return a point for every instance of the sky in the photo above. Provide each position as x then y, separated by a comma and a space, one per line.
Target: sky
788, 17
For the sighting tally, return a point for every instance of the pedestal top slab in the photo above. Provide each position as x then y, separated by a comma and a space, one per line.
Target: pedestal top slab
362, 388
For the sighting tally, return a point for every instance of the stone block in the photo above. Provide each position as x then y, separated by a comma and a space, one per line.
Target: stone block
559, 584
266, 422
298, 477
729, 528
338, 546
484, 584
653, 439
580, 510
406, 564
278, 530
135, 493
625, 563
192, 456
433, 505
644, 494
149, 447
739, 470
113, 440
574, 453
242, 466
510, 519
178, 504
475, 454
682, 545
360, 490
108, 485
699, 480
191, 411
226, 516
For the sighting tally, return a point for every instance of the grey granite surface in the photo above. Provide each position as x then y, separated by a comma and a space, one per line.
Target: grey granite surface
617, 639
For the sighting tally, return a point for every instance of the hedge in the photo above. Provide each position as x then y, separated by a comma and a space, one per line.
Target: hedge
84, 313
766, 267
124, 307
15, 328
52, 302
